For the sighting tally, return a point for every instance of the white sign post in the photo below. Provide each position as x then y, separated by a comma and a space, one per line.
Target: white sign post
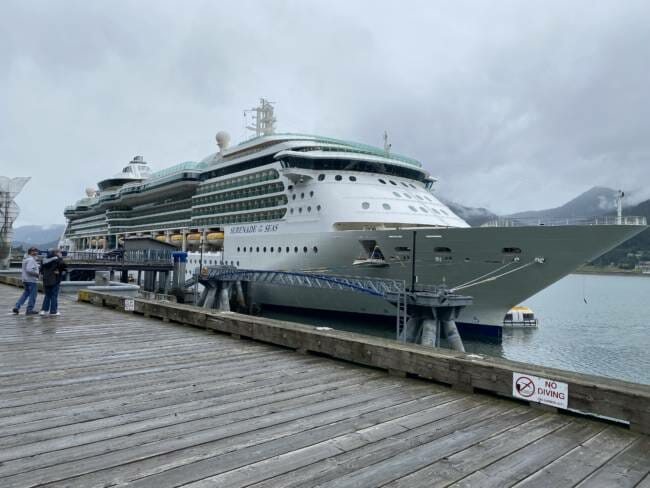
129, 305
540, 390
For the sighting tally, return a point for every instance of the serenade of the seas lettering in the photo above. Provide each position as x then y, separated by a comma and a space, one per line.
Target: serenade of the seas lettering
253, 228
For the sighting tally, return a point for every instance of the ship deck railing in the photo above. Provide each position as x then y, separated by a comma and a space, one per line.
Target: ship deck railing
528, 222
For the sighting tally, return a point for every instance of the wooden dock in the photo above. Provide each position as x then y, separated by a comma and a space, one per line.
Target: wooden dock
103, 398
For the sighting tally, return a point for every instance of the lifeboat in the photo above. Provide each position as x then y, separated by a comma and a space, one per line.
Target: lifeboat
100, 242
93, 242
520, 316
194, 238
161, 238
215, 238
176, 239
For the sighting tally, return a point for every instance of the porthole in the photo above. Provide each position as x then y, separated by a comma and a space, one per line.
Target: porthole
338, 177
238, 249
311, 193
386, 206
315, 249
290, 187
397, 194
308, 209
353, 178
404, 184
279, 249
413, 208
264, 249
295, 249
365, 205
424, 209
287, 248
272, 248
257, 249
304, 249
392, 182
321, 177
382, 181
318, 207
300, 210
250, 249
302, 195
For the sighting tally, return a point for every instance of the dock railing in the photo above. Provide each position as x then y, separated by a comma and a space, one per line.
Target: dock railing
532, 221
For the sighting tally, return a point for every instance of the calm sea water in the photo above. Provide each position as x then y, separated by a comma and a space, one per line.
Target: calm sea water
588, 323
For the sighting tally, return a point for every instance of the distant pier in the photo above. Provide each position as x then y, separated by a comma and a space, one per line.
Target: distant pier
101, 396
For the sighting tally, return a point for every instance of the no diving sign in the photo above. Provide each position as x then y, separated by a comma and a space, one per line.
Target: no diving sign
540, 390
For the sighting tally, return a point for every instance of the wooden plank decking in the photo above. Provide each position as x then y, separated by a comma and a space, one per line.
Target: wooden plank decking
101, 398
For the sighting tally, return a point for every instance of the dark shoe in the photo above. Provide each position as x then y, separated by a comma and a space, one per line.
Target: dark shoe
31, 312
15, 310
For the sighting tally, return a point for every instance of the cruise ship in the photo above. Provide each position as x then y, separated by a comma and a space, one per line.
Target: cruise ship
285, 201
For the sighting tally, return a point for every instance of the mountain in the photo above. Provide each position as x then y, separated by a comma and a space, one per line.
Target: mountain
474, 216
42, 236
593, 203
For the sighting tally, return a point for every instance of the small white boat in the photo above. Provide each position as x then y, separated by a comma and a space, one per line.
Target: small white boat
374, 260
520, 317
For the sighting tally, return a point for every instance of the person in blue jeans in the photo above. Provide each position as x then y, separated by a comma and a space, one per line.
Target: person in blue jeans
53, 270
29, 275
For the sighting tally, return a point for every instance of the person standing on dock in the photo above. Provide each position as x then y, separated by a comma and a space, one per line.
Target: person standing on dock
29, 276
53, 270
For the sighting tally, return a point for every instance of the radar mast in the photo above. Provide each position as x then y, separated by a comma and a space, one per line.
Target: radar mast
263, 118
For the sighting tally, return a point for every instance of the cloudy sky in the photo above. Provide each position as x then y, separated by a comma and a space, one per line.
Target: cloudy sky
512, 105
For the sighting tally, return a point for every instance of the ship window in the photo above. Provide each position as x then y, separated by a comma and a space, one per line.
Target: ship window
257, 249
511, 250
279, 249
299, 209
295, 249
338, 177
413, 208
302, 195
397, 194
304, 249
408, 196
412, 185
291, 211
264, 249
386, 206
435, 210
424, 209
311, 193
321, 177
293, 197
365, 205
290, 187
308, 209
382, 181
353, 178
508, 317
428, 199
287, 248
392, 182
315, 249
402, 249
318, 207
445, 213
238, 249
418, 197
528, 316
404, 184
441, 249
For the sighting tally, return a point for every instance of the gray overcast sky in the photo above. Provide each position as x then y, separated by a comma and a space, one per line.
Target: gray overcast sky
513, 105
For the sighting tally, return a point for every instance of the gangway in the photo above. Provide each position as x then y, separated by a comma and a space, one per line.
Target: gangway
433, 309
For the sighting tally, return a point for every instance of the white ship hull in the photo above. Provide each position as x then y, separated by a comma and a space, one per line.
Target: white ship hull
547, 254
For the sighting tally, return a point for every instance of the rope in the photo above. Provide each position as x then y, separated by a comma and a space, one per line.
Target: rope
493, 278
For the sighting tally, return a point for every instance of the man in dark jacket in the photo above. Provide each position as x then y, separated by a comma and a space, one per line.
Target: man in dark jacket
53, 270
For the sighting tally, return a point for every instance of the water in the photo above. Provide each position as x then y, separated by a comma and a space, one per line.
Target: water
609, 335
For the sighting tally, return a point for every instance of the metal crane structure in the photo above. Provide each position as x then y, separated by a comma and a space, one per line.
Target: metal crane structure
9, 189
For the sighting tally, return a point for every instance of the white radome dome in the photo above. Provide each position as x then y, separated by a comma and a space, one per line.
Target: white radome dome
223, 139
